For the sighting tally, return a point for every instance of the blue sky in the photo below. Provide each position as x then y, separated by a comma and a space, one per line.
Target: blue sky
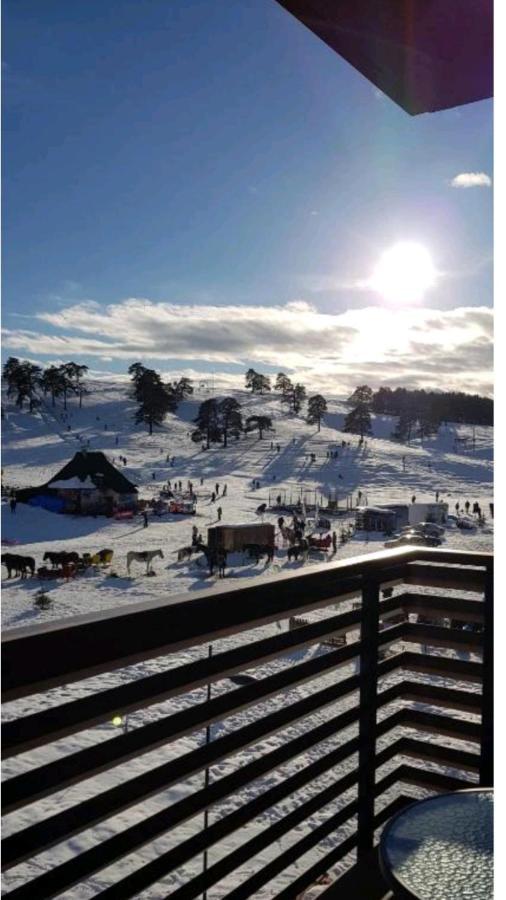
209, 157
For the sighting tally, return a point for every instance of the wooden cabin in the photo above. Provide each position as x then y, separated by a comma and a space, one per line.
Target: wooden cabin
87, 485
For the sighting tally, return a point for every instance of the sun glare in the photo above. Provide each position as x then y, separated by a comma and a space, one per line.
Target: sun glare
403, 274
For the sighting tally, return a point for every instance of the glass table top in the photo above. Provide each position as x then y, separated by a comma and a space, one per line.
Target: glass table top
442, 848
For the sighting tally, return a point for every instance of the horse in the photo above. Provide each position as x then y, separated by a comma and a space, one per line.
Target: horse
146, 556
102, 558
186, 552
60, 557
297, 550
18, 564
255, 551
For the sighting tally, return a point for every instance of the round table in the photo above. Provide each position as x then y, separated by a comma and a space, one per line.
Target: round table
441, 848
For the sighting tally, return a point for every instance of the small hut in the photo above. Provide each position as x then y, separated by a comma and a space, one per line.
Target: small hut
375, 518
235, 537
87, 485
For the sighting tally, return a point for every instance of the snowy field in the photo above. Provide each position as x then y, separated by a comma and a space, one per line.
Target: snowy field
36, 447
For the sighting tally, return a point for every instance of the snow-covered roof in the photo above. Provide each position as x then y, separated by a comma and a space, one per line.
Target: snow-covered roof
73, 484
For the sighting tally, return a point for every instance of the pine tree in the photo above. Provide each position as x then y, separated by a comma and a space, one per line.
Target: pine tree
182, 388
295, 397
257, 383
207, 423
251, 375
154, 398
229, 418
362, 395
405, 424
52, 382
75, 372
27, 380
358, 421
10, 374
262, 423
316, 409
283, 384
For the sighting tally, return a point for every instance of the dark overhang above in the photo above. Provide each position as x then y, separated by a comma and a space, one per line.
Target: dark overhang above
426, 55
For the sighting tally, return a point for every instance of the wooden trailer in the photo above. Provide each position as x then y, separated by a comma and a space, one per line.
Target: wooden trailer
236, 537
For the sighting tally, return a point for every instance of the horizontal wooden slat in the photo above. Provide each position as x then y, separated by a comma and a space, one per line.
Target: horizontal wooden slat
46, 779
324, 864
444, 756
53, 829
249, 888
432, 695
434, 636
51, 883
450, 607
467, 579
443, 666
52, 724
434, 781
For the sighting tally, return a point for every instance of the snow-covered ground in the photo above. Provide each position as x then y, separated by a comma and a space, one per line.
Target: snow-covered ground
36, 447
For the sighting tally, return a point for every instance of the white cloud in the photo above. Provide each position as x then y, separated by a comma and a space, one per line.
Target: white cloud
471, 179
450, 349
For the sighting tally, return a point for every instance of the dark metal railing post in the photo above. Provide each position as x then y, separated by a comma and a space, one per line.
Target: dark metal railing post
487, 711
206, 778
367, 721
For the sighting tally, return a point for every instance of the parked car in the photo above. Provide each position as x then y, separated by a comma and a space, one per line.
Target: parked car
415, 539
465, 523
428, 528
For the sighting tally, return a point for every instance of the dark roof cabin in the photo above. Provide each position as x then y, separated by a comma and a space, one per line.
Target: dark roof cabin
87, 484
95, 466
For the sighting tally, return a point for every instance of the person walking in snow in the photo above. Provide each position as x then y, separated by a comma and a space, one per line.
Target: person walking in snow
457, 507
413, 499
466, 506
145, 518
491, 508
437, 496
213, 497
13, 503
334, 542
224, 491
220, 513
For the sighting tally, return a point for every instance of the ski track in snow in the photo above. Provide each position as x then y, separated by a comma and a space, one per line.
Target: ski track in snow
36, 447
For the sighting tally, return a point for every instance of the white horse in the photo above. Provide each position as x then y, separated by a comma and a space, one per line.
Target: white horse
146, 556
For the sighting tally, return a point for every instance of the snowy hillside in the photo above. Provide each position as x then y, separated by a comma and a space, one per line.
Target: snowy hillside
37, 446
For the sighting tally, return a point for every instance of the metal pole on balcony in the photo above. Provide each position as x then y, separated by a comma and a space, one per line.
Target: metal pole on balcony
206, 779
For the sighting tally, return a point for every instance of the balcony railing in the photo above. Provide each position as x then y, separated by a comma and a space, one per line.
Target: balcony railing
401, 705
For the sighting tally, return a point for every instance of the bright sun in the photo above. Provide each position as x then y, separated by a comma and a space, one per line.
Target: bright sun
403, 273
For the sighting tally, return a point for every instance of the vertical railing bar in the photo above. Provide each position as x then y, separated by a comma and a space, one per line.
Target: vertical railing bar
369, 636
487, 714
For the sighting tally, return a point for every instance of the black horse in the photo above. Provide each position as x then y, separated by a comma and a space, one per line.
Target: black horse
18, 564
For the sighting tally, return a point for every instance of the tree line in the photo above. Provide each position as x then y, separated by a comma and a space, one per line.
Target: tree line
25, 380
434, 406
